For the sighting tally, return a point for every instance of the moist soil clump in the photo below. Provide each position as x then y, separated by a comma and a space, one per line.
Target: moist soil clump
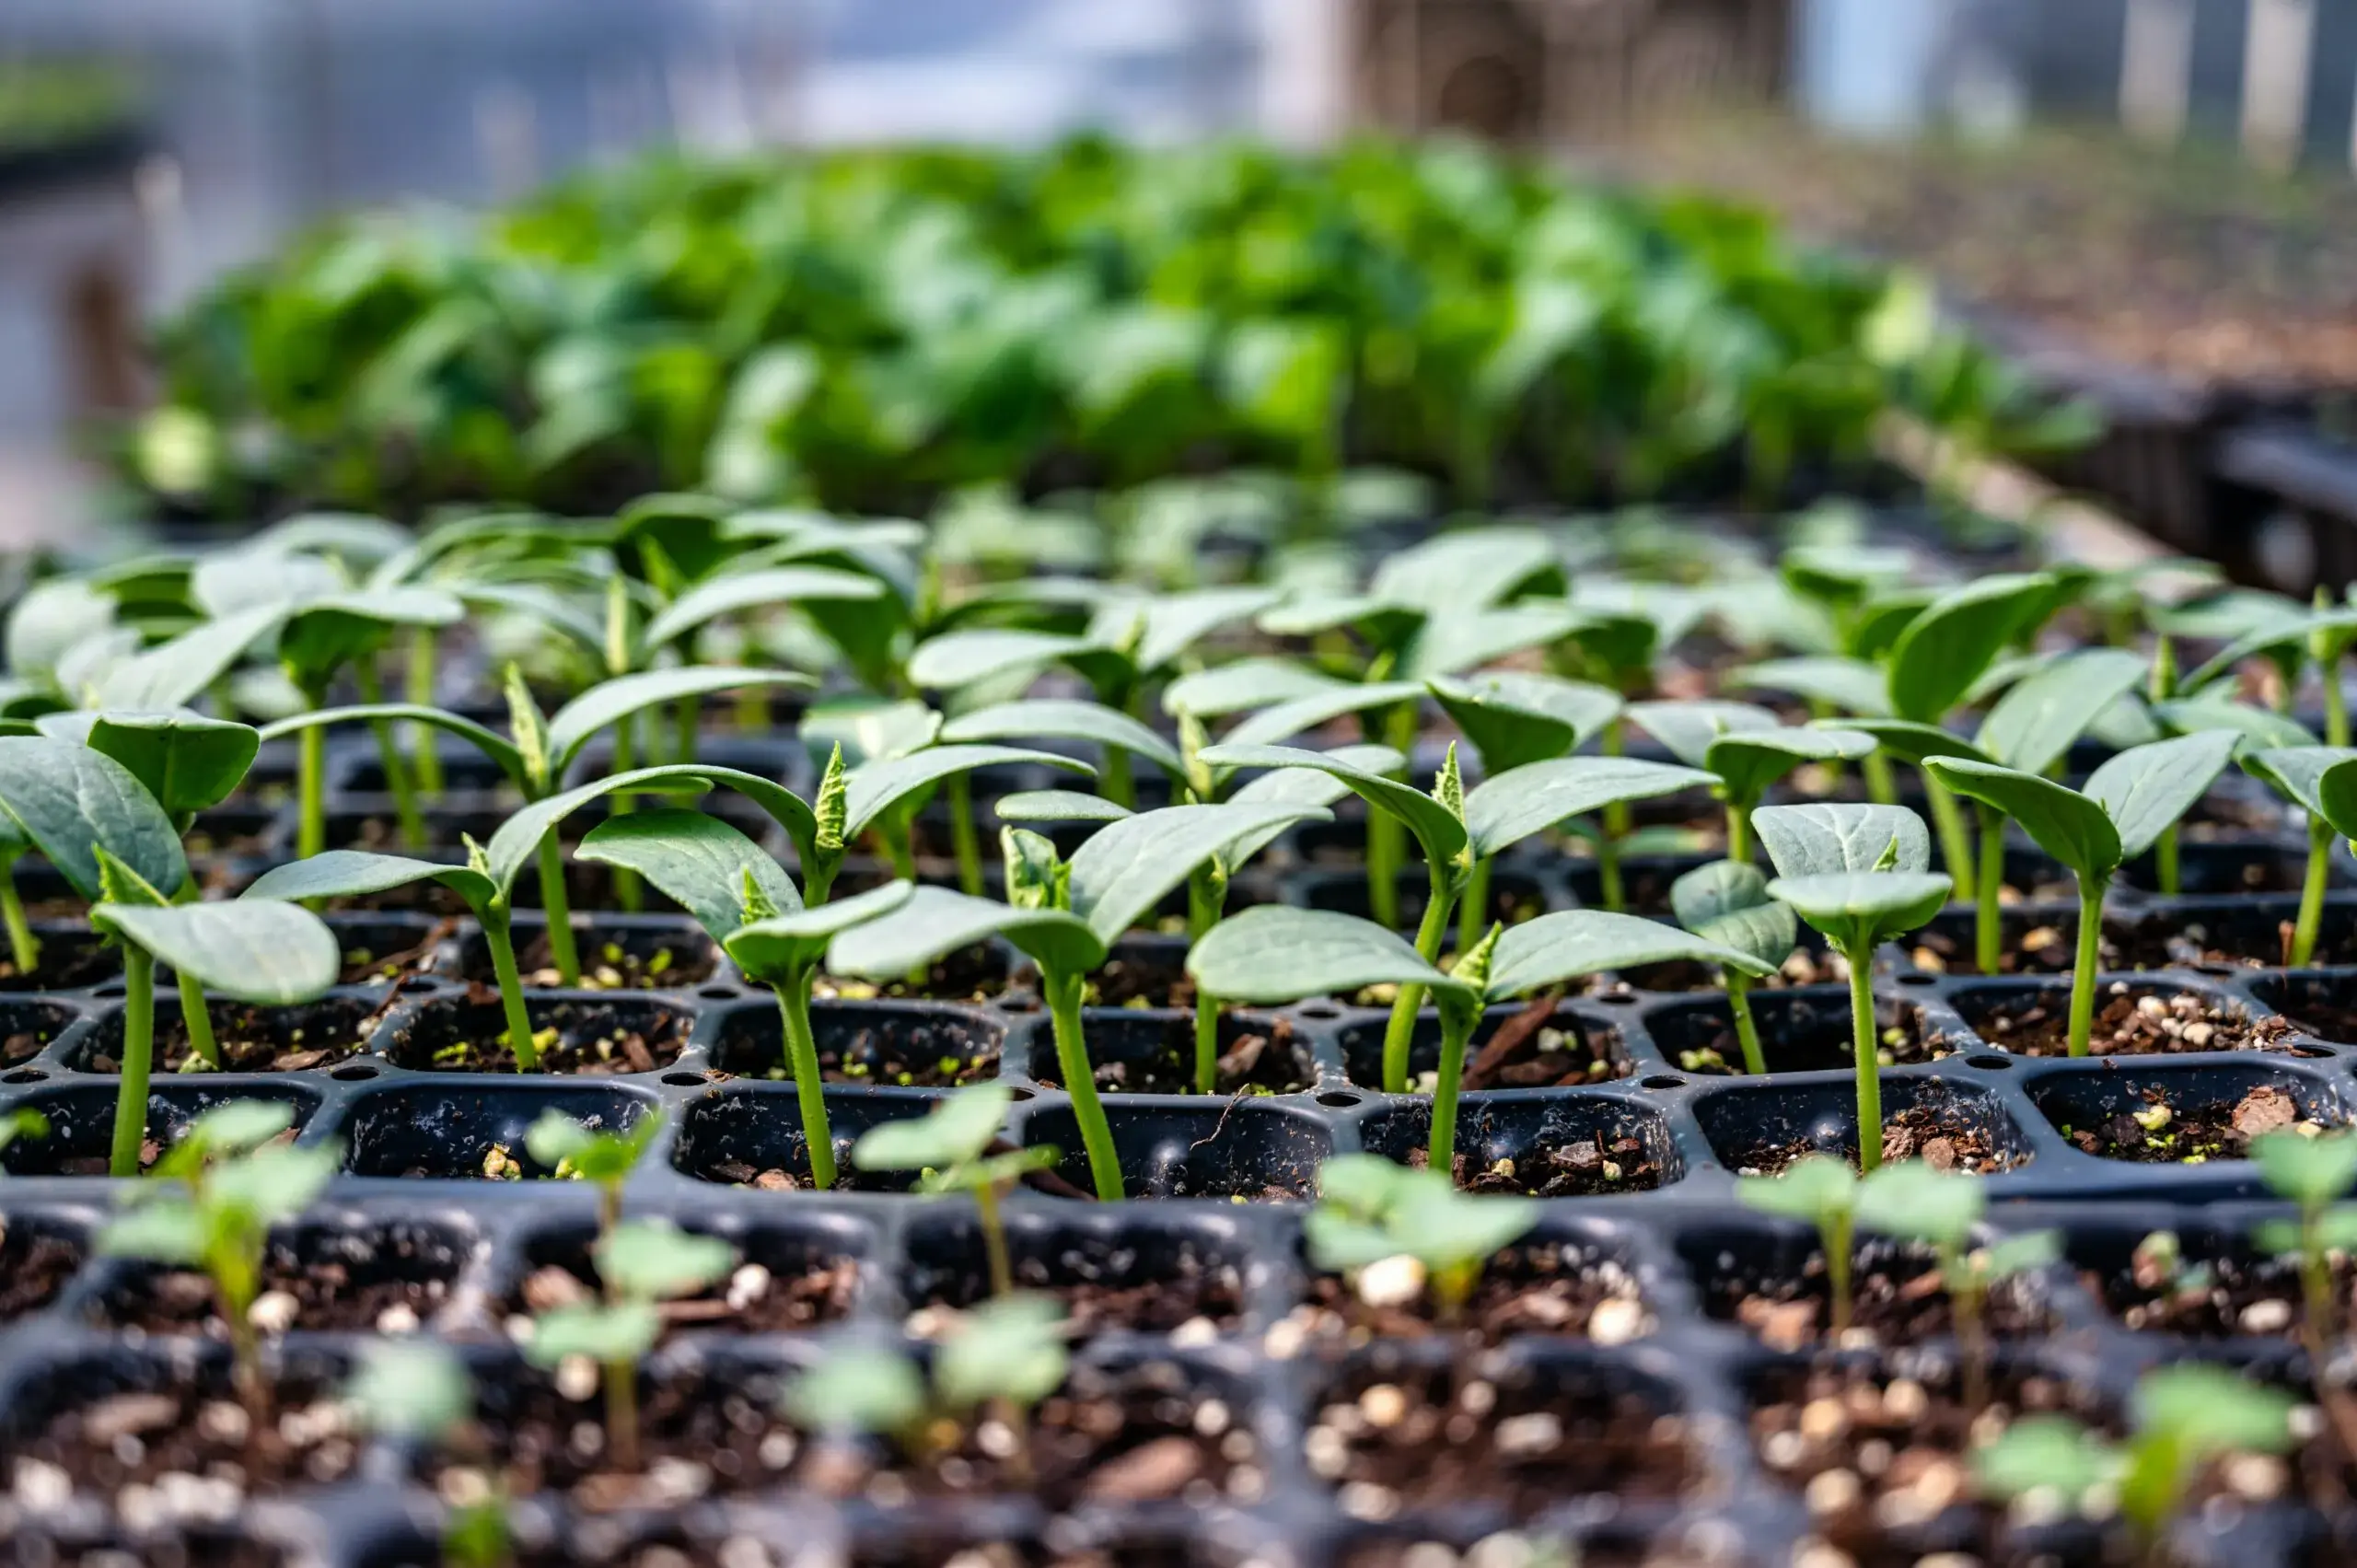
1898, 1301
579, 1040
1127, 982
2163, 1291
2129, 1023
1944, 1138
753, 1299
2169, 1131
1526, 1291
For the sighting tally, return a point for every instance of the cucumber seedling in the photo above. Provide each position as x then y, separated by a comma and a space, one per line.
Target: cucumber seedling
1941, 1209
1372, 1211
2298, 773
2315, 1175
1746, 750
950, 1151
1727, 902
573, 1150
1824, 1192
2127, 803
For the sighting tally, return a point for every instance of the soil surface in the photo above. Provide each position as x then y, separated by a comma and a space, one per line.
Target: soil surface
1252, 1063
252, 1040
1806, 1036
1900, 1301
394, 1283
1524, 1290
971, 974
633, 962
106, 1443
2161, 1291
363, 966
1531, 1051
1591, 1167
577, 1039
2128, 1021
1196, 1299
34, 1267
752, 1300
1126, 981
2169, 1130
1802, 968
67, 962
1946, 1138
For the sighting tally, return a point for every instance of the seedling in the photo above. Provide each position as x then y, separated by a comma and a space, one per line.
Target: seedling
2186, 1415
1371, 1210
575, 1152
2127, 803
2297, 774
1941, 1209
1066, 916
2314, 1174
412, 1391
94, 820
950, 1151
1747, 748
1727, 902
641, 1265
21, 1123
215, 1194
1276, 954
1824, 1192
1859, 873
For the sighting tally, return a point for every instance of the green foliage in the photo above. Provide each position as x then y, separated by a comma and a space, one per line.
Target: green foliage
1371, 1209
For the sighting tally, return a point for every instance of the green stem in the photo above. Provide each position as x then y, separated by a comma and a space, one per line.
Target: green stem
559, 909
621, 803
2165, 861
1206, 1042
1080, 1082
2335, 704
1956, 844
311, 776
24, 947
1386, 835
198, 1020
1738, 832
622, 1414
1988, 923
1473, 907
994, 1240
1747, 1031
1118, 784
1611, 828
389, 757
138, 1056
1839, 1235
498, 934
810, 1088
417, 686
1401, 1032
1880, 789
2303, 933
1869, 1054
1456, 1029
2082, 972
962, 837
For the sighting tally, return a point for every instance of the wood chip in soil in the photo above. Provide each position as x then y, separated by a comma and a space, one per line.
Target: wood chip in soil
2165, 1130
1946, 1140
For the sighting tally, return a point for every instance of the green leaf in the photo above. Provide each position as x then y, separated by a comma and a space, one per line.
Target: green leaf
1468, 568
1286, 720
1063, 719
654, 1259
1453, 641
1688, 729
783, 943
1851, 685
2145, 789
1057, 806
1814, 840
1512, 717
573, 725
2310, 1172
1536, 795
2067, 825
187, 761
351, 874
412, 1390
259, 950
1945, 648
1727, 902
1007, 1348
321, 636
956, 660
175, 673
51, 617
1366, 1187
858, 1389
490, 742
2045, 1454
698, 862
869, 729
875, 787
1128, 867
1858, 908
1448, 1229
2021, 1254
558, 1142
71, 801
935, 920
1271, 953
1565, 946
1175, 622
519, 838
1907, 1198
609, 1335
1911, 742
163, 1231
958, 1130
1816, 1187
1247, 684
1749, 761
2298, 773
2037, 721
2213, 1410
1435, 827
768, 588
2258, 726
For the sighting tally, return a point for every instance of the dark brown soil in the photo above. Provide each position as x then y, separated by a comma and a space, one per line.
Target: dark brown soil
1391, 1441
1213, 1295
869, 1059
1529, 1052
577, 1039
362, 967
253, 1040
394, 1282
615, 966
1524, 1290
24, 1045
752, 1300
1253, 1064
131, 1438
34, 1266
1715, 1053
2170, 1132
2040, 950
152, 1551
2128, 1021
1898, 1302
1803, 968
2161, 1291
2325, 1021
1140, 982
1946, 1139
973, 974
1584, 1168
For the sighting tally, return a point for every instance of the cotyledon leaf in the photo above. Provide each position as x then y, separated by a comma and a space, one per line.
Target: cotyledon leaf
1851, 685
957, 659
1748, 762
352, 873
1057, 718
1127, 867
772, 948
187, 761
1283, 722
573, 725
1688, 729
716, 597
2297, 773
2039, 719
519, 838
71, 801
1572, 943
490, 742
2072, 828
1510, 807
698, 862
872, 790
261, 951
1435, 827
1859, 908
1057, 806
2144, 790
1727, 902
1948, 647
1821, 838
1247, 684
1271, 953
1513, 716
935, 921
175, 673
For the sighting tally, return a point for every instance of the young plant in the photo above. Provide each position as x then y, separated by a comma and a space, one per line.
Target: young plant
2297, 774
2126, 804
1824, 1192
487, 881
412, 1390
750, 907
1911, 1201
1117, 735
2314, 1174
1727, 902
215, 1196
1747, 748
1277, 954
1860, 875
575, 1152
950, 1150
641, 1264
1066, 916
2186, 1415
99, 826
1371, 1211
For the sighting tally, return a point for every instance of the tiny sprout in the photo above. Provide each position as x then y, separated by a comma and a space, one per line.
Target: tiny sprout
1824, 1192
1007, 1352
24, 1122
1727, 902
950, 1150
1940, 1209
1371, 1210
2314, 1174
572, 1151
414, 1390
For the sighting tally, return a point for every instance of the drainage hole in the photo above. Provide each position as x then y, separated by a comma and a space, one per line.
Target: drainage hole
717, 994
1663, 1080
25, 1075
1919, 980
683, 1080
1339, 1101
357, 1074
1989, 1063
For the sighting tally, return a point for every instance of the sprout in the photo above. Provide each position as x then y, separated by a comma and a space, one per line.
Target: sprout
2298, 773
1746, 748
1941, 1209
1728, 903
573, 1150
949, 1149
410, 1390
2314, 1173
1824, 1192
1371, 1210
215, 1194
2127, 803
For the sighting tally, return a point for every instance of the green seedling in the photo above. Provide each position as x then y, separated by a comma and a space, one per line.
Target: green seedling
98, 824
1115, 734
1727, 902
2029, 729
573, 1151
1275, 954
2289, 637
2127, 803
22, 1123
1618, 638
412, 1391
1066, 916
641, 1264
1370, 1211
950, 1151
1860, 875
1824, 1192
2298, 773
210, 1207
1747, 748
2186, 1416
1915, 1202
2314, 1174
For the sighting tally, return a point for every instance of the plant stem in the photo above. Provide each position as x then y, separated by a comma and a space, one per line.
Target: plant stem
684, 717
24, 947
1747, 1030
621, 803
198, 1020
1611, 827
1206, 1042
622, 1414
1988, 923
1473, 906
2316, 1329
810, 1088
2164, 861
994, 1240
2303, 933
1875, 769
559, 911
1064, 992
1118, 784
1972, 1341
1401, 1032
962, 837
1869, 1054
388, 758
236, 1285
498, 934
2336, 703
138, 1055
1738, 833
1838, 1231
1456, 1029
1956, 844
1386, 835
417, 686
2083, 972
311, 829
